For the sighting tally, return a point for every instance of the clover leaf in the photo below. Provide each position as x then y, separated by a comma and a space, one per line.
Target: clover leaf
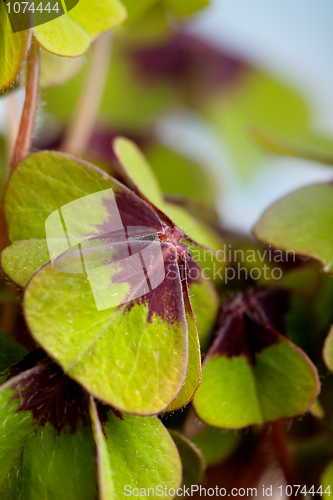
138, 9
134, 452
10, 353
192, 460
216, 444
140, 175
70, 35
14, 48
134, 354
252, 374
301, 223
50, 441
328, 350
327, 480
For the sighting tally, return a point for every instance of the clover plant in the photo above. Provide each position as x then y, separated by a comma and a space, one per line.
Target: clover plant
144, 348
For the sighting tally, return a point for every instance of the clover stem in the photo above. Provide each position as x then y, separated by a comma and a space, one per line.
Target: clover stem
282, 451
83, 122
12, 125
26, 129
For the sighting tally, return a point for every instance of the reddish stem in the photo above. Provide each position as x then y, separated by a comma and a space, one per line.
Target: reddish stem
24, 138
81, 127
282, 451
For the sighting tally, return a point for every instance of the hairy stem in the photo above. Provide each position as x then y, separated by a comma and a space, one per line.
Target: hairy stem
25, 133
82, 125
12, 125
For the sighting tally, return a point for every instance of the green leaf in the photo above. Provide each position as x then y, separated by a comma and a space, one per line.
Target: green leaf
61, 465
53, 466
328, 350
55, 70
61, 179
127, 356
134, 452
15, 428
36, 461
23, 258
56, 466
141, 176
191, 458
124, 381
138, 170
327, 481
301, 222
43, 183
317, 411
205, 304
181, 8
71, 34
311, 147
323, 301
193, 374
216, 444
185, 182
151, 28
180, 176
136, 10
14, 49
10, 351
268, 379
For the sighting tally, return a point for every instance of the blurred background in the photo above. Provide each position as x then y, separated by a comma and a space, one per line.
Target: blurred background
198, 87
293, 42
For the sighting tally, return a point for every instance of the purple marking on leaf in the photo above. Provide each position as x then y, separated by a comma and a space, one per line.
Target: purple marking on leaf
103, 412
243, 335
259, 336
232, 339
138, 263
152, 271
147, 255
136, 212
249, 323
49, 394
166, 301
272, 304
194, 272
268, 305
